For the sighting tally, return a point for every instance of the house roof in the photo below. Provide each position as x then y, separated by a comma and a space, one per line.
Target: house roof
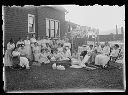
57, 7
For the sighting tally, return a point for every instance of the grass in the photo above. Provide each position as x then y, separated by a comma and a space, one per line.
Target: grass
45, 78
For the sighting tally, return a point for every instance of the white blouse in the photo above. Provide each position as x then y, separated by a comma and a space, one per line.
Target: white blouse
32, 40
106, 50
36, 49
27, 42
16, 53
39, 42
114, 53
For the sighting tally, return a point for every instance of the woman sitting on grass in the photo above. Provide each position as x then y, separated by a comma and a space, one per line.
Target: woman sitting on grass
43, 57
19, 53
103, 58
55, 55
87, 58
114, 57
60, 47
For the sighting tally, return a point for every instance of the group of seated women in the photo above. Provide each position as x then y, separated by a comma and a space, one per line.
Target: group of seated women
99, 55
37, 52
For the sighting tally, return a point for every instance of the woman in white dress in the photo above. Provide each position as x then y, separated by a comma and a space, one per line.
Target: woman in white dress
39, 41
8, 53
32, 41
28, 48
66, 54
36, 51
43, 43
22, 55
43, 57
102, 59
87, 57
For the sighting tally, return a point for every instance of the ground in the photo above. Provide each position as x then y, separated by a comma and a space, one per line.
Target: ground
45, 78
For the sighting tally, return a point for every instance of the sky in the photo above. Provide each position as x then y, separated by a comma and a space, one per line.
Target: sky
104, 18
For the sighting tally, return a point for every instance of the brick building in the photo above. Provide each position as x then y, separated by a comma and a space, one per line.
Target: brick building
42, 21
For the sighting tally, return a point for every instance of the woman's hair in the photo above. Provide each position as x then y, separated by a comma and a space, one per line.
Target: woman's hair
47, 44
35, 43
90, 45
19, 38
42, 50
27, 36
116, 45
11, 40
62, 45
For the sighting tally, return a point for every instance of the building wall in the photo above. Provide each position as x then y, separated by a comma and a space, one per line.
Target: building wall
16, 22
47, 12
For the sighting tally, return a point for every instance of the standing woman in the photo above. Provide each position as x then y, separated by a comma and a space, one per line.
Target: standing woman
28, 48
8, 53
32, 41
39, 41
36, 52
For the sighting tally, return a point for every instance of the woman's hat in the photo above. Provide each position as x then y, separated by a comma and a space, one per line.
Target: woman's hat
22, 45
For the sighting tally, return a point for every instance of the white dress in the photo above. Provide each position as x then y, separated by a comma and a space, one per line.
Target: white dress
43, 58
15, 53
8, 53
87, 56
102, 59
114, 53
65, 56
24, 62
43, 43
36, 52
28, 49
23, 59
99, 49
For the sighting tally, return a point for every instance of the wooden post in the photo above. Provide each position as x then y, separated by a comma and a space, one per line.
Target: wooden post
72, 45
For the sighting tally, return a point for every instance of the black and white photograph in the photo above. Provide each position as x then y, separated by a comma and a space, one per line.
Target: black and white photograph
63, 48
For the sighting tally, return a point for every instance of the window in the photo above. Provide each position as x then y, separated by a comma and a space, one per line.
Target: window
31, 23
52, 28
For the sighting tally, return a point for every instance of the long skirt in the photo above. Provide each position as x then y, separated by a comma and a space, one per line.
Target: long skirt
28, 52
8, 58
101, 59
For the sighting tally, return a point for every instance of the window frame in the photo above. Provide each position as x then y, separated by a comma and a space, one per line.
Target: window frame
30, 15
54, 27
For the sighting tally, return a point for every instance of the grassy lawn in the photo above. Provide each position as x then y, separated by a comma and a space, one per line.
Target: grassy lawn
45, 78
